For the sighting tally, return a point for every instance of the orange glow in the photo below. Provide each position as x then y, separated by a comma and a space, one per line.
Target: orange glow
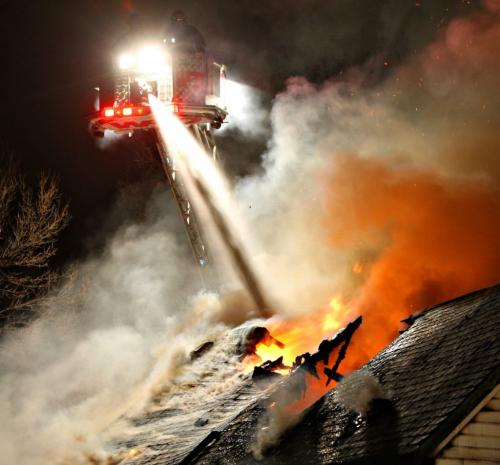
431, 253
300, 335
419, 235
331, 318
304, 334
433, 256
358, 267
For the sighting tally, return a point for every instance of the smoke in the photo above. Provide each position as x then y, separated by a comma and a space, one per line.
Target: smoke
247, 113
400, 178
271, 428
278, 417
114, 338
387, 193
357, 391
209, 190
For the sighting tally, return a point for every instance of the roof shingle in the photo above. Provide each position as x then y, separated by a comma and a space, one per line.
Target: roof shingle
437, 371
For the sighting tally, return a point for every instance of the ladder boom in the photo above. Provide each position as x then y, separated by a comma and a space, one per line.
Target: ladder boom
191, 223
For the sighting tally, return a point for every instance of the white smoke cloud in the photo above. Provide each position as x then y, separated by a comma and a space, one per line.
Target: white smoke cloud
271, 428
431, 121
357, 391
437, 113
111, 340
246, 110
125, 330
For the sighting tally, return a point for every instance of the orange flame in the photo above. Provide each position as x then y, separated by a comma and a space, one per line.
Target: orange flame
425, 235
301, 335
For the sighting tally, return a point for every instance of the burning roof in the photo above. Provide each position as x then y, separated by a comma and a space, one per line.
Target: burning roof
432, 375
191, 413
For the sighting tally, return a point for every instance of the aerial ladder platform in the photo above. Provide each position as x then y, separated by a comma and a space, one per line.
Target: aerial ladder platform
192, 86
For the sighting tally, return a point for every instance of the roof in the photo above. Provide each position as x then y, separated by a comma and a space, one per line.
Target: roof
436, 372
184, 416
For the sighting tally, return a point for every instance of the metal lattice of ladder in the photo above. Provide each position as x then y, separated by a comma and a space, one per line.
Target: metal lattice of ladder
203, 134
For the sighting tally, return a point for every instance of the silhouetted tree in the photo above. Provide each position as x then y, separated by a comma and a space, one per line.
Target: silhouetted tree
31, 219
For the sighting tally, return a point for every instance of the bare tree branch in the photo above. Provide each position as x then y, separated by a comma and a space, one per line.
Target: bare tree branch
30, 223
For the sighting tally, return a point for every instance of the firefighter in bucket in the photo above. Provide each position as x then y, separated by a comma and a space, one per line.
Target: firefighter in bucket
189, 61
178, 72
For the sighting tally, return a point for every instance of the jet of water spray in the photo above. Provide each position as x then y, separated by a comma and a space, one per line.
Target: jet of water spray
209, 190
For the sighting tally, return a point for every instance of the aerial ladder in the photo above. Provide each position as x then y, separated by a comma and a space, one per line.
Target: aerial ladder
192, 86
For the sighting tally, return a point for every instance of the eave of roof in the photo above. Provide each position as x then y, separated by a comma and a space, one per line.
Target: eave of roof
455, 301
429, 447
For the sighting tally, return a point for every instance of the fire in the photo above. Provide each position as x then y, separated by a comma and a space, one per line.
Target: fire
421, 222
415, 209
331, 319
300, 335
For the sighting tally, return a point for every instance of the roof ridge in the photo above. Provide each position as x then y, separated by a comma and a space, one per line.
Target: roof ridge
415, 316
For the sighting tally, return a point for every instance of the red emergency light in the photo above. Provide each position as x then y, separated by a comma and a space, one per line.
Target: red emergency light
142, 110
129, 110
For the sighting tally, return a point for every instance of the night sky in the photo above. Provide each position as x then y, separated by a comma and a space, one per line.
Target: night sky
55, 52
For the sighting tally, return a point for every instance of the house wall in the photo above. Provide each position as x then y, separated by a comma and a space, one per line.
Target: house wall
477, 440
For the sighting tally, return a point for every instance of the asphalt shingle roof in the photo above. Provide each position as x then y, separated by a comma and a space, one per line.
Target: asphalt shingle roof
185, 420
436, 372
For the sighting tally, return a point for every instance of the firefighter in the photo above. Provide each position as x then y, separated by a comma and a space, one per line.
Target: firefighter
182, 36
112, 82
189, 63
